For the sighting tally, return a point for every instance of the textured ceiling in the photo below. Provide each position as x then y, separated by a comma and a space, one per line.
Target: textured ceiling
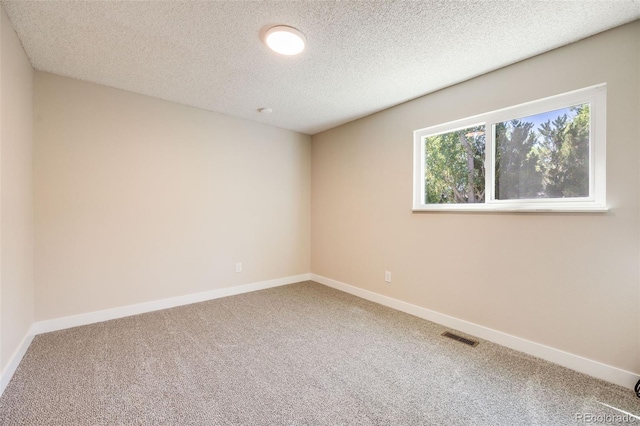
361, 57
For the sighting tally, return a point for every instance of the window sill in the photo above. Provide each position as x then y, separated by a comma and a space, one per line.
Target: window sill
480, 208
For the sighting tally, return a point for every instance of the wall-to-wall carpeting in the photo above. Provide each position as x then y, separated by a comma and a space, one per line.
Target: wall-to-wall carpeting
298, 354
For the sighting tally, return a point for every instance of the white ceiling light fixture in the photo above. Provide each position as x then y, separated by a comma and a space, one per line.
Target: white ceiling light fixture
285, 40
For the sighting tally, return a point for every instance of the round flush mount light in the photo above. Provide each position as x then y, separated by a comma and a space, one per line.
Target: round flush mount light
265, 110
285, 40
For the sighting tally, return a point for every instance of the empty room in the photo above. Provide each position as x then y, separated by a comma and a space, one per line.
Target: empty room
319, 212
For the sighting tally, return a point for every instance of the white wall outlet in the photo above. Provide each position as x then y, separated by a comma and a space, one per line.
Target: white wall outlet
238, 267
387, 276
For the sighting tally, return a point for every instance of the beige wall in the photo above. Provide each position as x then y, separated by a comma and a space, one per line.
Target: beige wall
569, 281
139, 199
16, 202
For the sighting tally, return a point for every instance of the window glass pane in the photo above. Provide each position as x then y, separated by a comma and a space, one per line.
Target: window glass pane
454, 167
544, 155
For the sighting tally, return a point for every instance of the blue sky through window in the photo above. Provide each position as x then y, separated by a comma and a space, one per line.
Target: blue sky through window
538, 119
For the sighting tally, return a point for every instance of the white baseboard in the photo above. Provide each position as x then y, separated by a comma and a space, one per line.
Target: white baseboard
557, 356
14, 361
141, 308
40, 327
574, 362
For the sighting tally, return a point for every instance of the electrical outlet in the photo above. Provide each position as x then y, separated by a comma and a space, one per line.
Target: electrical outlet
238, 267
387, 276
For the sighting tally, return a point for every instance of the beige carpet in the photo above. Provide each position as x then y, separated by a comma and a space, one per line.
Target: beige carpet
302, 354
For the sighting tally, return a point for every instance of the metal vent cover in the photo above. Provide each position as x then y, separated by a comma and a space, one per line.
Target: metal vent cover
460, 338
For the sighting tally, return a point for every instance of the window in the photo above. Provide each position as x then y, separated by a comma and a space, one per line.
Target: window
545, 155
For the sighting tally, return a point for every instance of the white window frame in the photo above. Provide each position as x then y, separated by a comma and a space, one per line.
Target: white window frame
595, 96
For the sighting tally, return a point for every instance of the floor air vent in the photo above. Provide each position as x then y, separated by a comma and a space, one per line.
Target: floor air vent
460, 339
